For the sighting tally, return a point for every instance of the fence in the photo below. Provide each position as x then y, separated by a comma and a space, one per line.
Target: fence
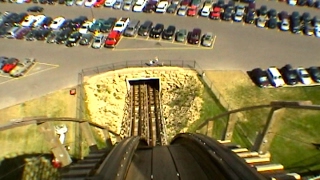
82, 112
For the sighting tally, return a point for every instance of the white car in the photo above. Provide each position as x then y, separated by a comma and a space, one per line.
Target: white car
275, 77
127, 5
304, 76
80, 2
317, 32
38, 20
205, 11
239, 13
182, 11
292, 2
98, 41
109, 3
284, 26
139, 5
261, 22
85, 27
28, 21
162, 7
57, 23
89, 3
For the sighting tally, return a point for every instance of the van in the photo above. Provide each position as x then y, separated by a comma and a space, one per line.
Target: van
145, 28
275, 77
12, 32
132, 28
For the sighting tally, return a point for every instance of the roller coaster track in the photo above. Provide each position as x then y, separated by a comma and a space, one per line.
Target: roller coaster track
145, 115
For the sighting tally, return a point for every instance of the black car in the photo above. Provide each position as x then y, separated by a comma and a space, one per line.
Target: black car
169, 32
42, 34
20, 18
35, 9
63, 36
145, 28
86, 39
156, 31
314, 73
220, 3
272, 13
67, 24
52, 36
260, 77
73, 39
250, 17
305, 19
272, 23
289, 75
194, 36
227, 15
31, 36
295, 26
172, 8
79, 21
302, 2
43, 1
4, 29
9, 19
263, 10
107, 25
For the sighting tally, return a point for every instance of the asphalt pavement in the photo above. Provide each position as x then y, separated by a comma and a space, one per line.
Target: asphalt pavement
237, 46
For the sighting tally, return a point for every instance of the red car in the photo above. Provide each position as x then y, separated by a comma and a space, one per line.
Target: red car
192, 11
216, 13
185, 3
112, 39
10, 64
99, 3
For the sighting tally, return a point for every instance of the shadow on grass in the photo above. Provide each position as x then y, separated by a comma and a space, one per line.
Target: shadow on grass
28, 166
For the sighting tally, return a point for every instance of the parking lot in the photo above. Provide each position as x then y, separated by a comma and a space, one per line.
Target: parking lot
237, 46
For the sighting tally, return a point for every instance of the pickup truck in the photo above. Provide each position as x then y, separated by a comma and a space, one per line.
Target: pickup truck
121, 24
112, 39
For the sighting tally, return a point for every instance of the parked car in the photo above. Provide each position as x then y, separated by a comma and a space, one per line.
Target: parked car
77, 22
107, 25
314, 73
207, 39
194, 37
275, 77
260, 77
35, 9
169, 32
162, 7
28, 21
192, 11
73, 39
127, 5
272, 23
39, 20
22, 67
182, 11
31, 35
156, 31
63, 36
289, 75
52, 37
304, 76
181, 35
85, 27
227, 15
3, 61
42, 34
263, 11
172, 8
145, 28
10, 64
98, 41
57, 23
261, 21
22, 32
96, 25
150, 7
250, 17
86, 39
215, 13
239, 13
118, 4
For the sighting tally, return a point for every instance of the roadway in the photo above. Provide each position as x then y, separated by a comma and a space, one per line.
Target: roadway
237, 46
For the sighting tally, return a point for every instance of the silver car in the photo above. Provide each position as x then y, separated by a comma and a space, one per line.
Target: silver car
181, 35
182, 11
127, 5
118, 4
207, 39
22, 67
98, 42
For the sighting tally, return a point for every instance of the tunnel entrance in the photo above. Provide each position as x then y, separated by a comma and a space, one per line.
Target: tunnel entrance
144, 111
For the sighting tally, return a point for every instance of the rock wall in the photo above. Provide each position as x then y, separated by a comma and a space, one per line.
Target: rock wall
180, 92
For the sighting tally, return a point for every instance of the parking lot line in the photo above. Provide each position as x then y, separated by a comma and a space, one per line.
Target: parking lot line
11, 79
157, 49
5, 76
29, 74
48, 64
214, 41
